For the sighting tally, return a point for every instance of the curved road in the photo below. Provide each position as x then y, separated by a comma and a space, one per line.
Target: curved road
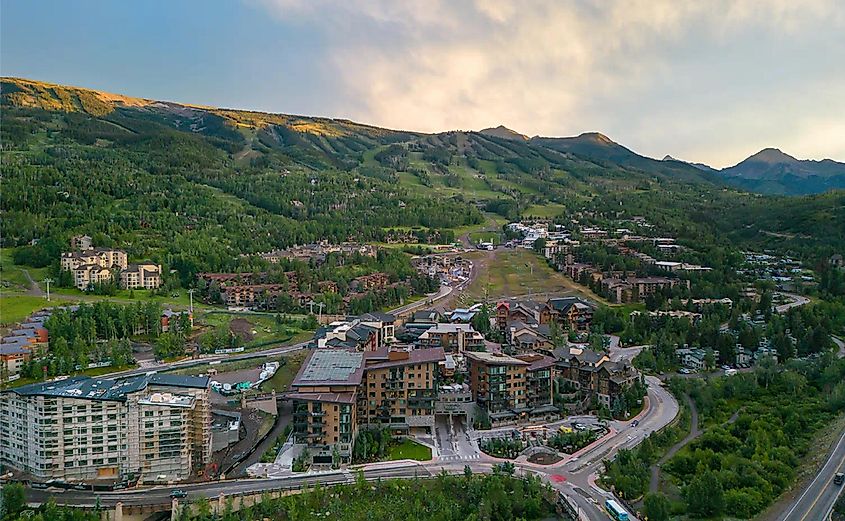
578, 472
693, 434
816, 502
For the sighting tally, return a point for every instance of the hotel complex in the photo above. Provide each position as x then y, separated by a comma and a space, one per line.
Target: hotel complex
152, 427
339, 390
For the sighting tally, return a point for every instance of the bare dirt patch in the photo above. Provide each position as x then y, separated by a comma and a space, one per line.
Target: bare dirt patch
243, 328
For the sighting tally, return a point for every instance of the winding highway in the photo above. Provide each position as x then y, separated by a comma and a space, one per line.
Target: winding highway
816, 501
574, 477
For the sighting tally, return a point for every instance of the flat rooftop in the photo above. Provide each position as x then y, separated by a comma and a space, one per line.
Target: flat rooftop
87, 388
331, 366
494, 358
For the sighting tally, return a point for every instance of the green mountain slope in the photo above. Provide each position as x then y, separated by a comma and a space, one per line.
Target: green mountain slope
197, 187
772, 171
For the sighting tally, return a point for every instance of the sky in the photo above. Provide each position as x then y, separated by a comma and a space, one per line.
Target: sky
710, 81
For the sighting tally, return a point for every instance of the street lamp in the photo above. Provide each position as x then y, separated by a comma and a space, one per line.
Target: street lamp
191, 308
48, 281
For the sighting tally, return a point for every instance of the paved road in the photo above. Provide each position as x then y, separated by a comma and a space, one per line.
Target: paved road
273, 351
161, 495
817, 500
695, 432
579, 471
797, 300
582, 472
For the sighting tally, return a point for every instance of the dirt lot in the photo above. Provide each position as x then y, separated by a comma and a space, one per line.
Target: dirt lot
243, 328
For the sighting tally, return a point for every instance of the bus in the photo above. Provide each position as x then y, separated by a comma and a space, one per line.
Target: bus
615, 510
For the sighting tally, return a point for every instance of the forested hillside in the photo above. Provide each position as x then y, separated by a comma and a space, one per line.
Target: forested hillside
196, 187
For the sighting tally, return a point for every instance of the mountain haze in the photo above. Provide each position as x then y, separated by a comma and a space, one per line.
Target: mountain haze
773, 171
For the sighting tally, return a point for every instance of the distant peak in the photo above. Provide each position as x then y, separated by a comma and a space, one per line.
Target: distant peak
503, 132
772, 156
596, 137
669, 158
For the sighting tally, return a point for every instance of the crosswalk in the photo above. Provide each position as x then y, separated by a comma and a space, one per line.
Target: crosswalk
460, 457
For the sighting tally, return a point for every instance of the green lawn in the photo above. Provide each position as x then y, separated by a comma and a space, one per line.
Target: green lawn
518, 272
548, 210
408, 449
265, 327
180, 300
492, 222
14, 307
494, 237
12, 275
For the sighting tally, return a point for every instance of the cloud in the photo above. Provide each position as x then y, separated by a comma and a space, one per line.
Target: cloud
633, 69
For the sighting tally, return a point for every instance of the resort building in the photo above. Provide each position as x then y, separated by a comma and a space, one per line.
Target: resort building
154, 427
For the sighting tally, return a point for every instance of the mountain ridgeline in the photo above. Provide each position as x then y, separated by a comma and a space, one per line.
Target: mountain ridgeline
772, 171
198, 187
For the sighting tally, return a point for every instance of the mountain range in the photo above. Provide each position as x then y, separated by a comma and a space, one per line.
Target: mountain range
769, 171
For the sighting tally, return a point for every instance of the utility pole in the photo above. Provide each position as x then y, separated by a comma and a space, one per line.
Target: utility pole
191, 308
48, 281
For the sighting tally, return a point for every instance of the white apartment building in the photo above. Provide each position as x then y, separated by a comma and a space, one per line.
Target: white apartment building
153, 427
94, 265
102, 257
141, 276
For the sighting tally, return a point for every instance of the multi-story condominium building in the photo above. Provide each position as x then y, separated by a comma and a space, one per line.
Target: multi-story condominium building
384, 322
141, 276
154, 427
324, 397
348, 334
102, 257
93, 265
453, 338
571, 313
337, 391
498, 383
509, 388
369, 282
568, 312
527, 312
252, 296
533, 338
539, 378
12, 358
87, 274
400, 388
594, 373
637, 288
